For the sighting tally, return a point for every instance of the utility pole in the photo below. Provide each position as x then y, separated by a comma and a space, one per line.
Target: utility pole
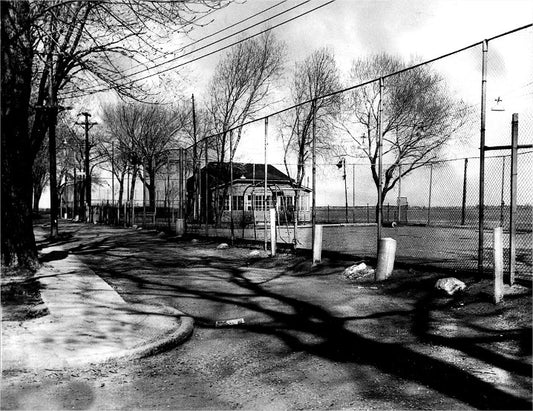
52, 107
87, 125
113, 173
345, 189
195, 165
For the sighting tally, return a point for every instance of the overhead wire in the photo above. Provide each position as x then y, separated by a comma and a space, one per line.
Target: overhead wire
209, 36
130, 82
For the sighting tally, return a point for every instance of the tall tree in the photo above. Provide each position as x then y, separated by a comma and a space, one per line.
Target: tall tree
146, 132
312, 78
240, 88
55, 50
238, 91
18, 241
419, 117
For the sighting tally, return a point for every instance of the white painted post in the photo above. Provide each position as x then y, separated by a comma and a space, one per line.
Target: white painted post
498, 265
386, 254
317, 245
272, 231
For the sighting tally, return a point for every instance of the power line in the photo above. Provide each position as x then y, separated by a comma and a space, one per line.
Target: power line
364, 83
209, 36
218, 41
206, 54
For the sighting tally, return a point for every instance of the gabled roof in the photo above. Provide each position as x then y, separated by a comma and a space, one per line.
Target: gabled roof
247, 170
243, 173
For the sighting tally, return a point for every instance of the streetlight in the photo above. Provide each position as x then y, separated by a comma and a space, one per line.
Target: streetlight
342, 164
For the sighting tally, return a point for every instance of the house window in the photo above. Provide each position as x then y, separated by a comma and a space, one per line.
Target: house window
259, 202
237, 203
226, 203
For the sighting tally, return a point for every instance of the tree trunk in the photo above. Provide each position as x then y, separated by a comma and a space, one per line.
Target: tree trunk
18, 241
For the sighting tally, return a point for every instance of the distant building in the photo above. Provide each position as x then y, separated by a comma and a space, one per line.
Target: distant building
245, 198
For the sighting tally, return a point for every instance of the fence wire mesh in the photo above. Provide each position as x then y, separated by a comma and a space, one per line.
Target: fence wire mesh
322, 164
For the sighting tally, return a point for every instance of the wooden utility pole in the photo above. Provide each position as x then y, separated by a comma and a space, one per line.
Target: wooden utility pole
87, 126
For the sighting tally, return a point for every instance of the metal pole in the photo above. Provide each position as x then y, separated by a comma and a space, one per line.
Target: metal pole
353, 192
512, 214
380, 162
313, 211
430, 190
399, 192
206, 200
144, 195
502, 201
265, 186
196, 204
232, 233
481, 206
345, 190
113, 173
463, 208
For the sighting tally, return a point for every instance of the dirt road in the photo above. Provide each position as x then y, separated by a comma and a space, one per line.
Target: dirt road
311, 339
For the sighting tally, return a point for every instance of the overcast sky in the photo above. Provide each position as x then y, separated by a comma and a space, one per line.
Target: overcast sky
352, 28
422, 29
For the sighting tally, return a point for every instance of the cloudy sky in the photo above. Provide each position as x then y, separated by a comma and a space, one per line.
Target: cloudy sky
421, 29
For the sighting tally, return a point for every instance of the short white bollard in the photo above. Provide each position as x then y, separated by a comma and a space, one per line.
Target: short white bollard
317, 245
273, 231
498, 265
180, 227
386, 255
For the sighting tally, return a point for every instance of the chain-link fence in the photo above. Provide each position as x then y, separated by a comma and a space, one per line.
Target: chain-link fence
403, 140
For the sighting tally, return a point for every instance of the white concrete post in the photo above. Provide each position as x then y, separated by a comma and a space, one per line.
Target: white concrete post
498, 265
386, 254
272, 231
317, 245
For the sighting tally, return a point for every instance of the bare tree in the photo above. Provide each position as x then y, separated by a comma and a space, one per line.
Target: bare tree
54, 50
239, 90
419, 117
312, 78
241, 86
145, 134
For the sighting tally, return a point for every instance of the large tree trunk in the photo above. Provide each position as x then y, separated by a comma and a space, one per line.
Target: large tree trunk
18, 241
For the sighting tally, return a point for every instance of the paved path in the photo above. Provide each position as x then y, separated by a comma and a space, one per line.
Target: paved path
88, 322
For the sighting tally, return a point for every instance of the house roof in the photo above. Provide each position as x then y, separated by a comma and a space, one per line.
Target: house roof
219, 174
249, 171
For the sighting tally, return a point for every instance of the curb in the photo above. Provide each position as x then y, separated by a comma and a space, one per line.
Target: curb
180, 335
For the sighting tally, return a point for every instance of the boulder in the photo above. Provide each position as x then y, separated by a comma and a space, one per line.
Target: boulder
223, 246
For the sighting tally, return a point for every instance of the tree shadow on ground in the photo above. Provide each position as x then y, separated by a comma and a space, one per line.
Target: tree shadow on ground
292, 318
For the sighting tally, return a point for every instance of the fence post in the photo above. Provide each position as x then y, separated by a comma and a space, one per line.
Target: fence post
463, 208
512, 214
380, 164
313, 170
265, 178
317, 245
399, 192
481, 205
502, 201
353, 193
430, 189
273, 234
498, 265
